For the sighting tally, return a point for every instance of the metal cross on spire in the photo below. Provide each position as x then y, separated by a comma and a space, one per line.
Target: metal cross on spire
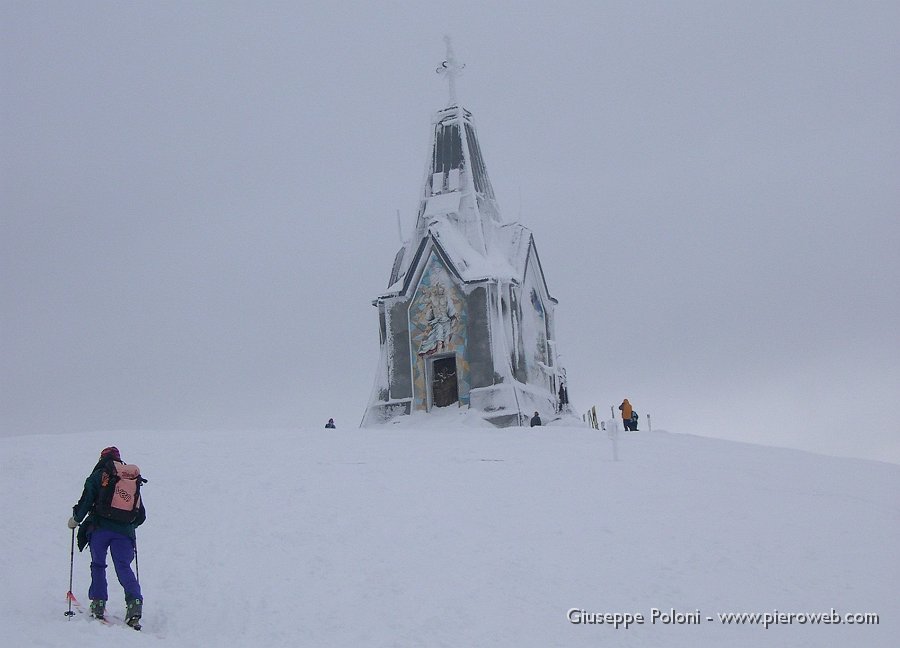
450, 68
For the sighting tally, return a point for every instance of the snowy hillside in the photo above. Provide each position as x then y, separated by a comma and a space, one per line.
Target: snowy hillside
459, 537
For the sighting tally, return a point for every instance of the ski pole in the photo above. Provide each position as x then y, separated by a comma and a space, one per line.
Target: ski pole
137, 567
69, 612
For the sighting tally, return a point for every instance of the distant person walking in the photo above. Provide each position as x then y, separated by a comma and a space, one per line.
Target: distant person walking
536, 420
109, 511
629, 419
330, 425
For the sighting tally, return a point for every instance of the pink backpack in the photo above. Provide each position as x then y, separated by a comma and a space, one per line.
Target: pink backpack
120, 492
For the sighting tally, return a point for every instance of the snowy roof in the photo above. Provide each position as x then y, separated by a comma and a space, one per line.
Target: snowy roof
507, 258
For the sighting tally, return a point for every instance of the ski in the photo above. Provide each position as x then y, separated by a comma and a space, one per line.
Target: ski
107, 620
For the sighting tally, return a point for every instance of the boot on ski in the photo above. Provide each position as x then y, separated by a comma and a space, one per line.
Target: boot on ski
98, 609
133, 610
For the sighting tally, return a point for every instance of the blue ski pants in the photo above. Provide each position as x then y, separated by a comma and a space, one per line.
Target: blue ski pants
121, 548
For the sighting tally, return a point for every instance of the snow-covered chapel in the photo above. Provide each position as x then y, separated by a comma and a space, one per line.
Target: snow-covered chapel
467, 320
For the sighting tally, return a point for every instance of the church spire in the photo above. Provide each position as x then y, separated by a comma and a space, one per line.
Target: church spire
457, 188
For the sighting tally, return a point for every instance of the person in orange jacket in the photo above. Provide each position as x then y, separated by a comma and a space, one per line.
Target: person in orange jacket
627, 411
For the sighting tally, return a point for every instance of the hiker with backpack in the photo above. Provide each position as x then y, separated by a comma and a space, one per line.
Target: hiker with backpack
629, 416
107, 514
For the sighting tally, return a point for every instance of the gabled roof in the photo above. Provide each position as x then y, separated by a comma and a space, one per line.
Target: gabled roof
508, 261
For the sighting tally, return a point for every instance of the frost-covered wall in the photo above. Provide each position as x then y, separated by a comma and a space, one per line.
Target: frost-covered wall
535, 329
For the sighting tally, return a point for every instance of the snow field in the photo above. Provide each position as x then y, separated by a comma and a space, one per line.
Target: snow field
414, 536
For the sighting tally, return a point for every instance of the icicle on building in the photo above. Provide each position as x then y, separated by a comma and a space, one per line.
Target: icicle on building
467, 320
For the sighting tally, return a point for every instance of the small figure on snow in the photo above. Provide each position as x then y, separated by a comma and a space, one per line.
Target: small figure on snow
330, 425
629, 416
108, 512
536, 420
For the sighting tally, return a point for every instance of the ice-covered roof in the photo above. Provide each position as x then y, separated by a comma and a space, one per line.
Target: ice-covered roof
506, 258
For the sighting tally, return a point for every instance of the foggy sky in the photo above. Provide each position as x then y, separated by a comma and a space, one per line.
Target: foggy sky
199, 204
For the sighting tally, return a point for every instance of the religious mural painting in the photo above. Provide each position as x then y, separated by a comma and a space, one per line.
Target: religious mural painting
437, 335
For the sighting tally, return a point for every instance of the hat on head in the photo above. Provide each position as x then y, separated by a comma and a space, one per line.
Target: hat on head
111, 451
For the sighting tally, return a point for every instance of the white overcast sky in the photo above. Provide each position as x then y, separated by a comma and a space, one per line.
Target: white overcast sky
199, 204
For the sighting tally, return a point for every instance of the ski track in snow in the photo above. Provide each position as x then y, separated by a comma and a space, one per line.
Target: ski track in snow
407, 536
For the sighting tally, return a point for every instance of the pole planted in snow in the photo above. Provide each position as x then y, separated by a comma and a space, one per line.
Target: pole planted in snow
614, 435
69, 595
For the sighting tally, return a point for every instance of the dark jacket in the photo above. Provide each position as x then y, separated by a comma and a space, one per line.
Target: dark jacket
535, 421
84, 510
